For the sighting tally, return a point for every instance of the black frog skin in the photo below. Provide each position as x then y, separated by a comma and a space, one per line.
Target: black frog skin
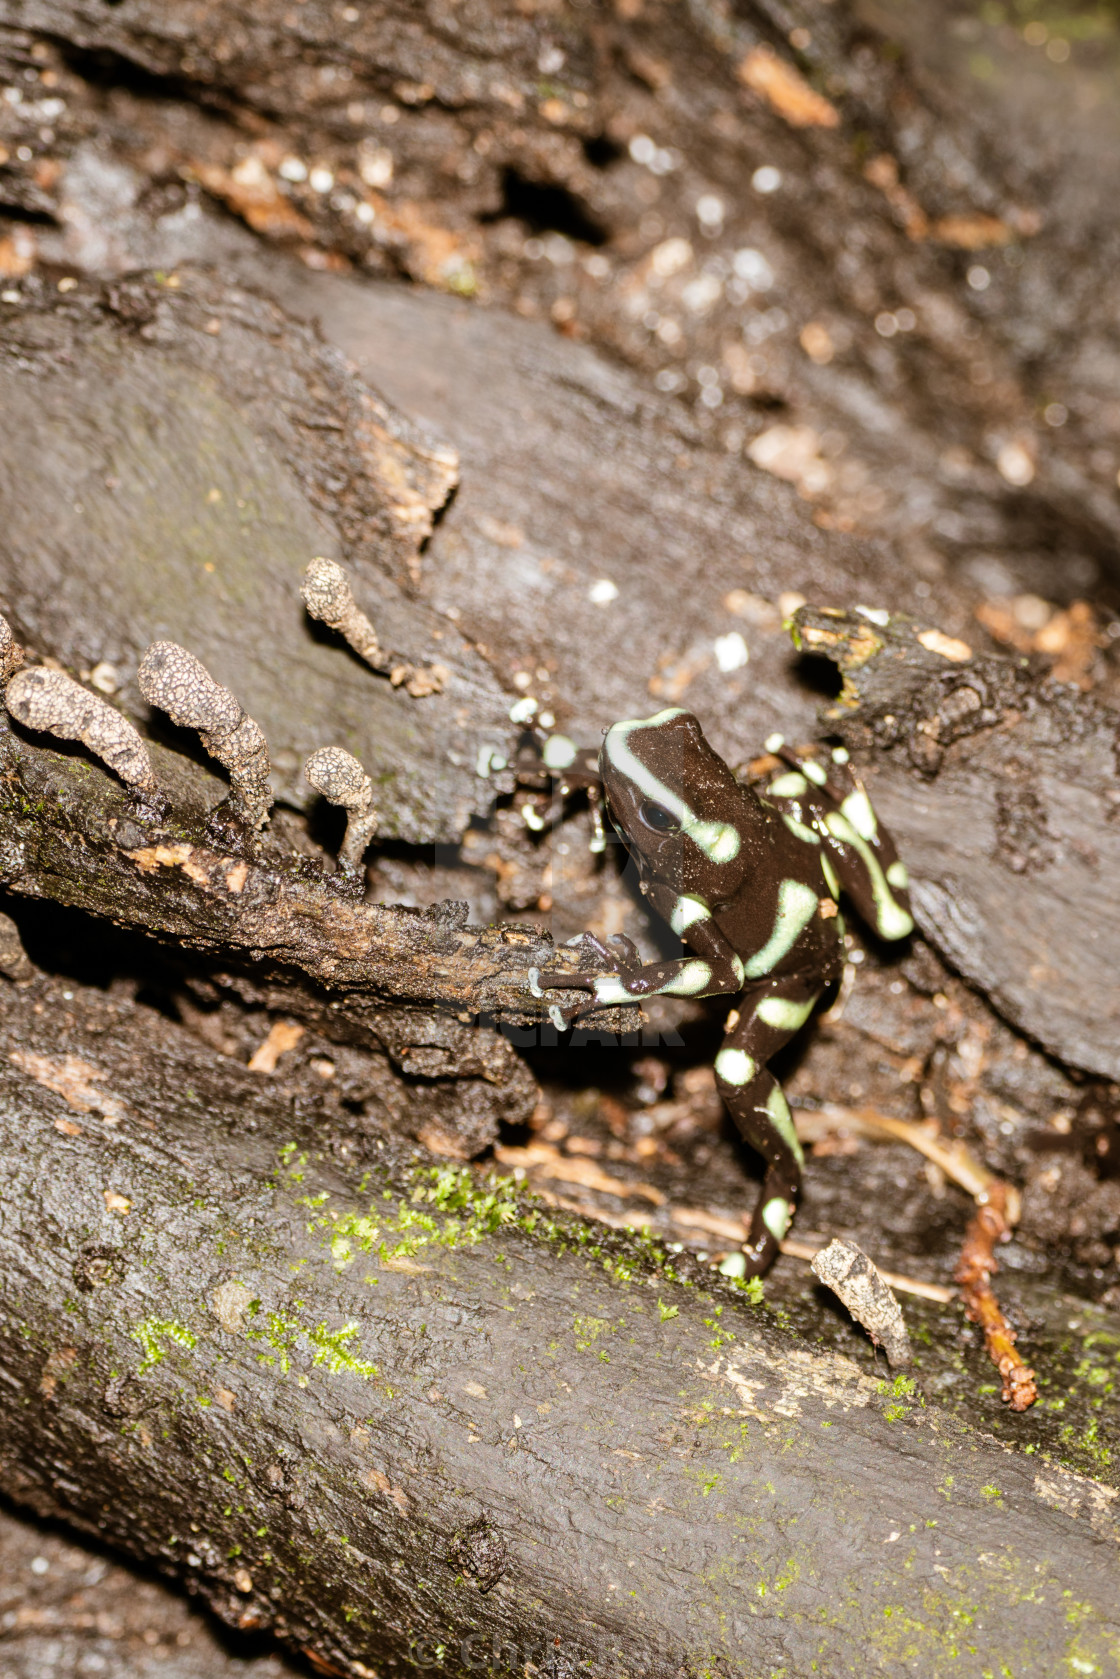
749, 881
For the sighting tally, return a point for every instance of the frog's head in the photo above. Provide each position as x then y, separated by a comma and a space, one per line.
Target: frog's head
675, 800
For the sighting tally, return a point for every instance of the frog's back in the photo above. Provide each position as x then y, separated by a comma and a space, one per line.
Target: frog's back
783, 918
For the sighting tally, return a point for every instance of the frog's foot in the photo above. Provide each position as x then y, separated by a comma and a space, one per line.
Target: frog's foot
612, 987
592, 942
563, 1016
771, 1220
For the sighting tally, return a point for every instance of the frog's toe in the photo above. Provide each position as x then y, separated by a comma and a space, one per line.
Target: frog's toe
630, 952
591, 941
560, 979
565, 1018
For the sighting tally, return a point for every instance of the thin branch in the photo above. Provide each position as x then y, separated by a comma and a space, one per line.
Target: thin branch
974, 1273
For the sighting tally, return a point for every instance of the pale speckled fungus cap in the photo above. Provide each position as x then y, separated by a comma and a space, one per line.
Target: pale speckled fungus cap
328, 596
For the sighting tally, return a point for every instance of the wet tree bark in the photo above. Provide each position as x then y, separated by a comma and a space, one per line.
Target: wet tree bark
344, 1392
404, 1420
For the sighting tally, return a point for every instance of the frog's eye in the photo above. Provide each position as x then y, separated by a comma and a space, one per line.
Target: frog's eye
658, 818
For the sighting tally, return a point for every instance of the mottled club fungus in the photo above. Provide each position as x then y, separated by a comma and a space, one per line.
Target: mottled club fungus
51, 702
15, 964
342, 780
328, 596
11, 653
178, 683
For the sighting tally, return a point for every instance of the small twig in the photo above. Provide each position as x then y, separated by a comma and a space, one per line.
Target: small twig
614, 1221
974, 1273
695, 1218
998, 1211
283, 1035
561, 1169
906, 1285
998, 1207
860, 1286
953, 1158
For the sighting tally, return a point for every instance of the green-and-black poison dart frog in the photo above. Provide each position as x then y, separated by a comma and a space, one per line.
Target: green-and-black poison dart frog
750, 884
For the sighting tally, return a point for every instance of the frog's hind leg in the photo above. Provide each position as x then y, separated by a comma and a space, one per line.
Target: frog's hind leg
768, 1017
858, 855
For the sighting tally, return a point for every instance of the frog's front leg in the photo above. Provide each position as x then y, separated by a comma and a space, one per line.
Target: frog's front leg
712, 969
767, 1018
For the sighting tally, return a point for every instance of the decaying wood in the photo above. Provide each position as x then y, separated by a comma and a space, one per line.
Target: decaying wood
1008, 830
421, 988
75, 836
177, 449
496, 157
221, 446
396, 1415
861, 1286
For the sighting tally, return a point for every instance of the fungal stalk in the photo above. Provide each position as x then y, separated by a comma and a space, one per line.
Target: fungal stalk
342, 781
50, 702
179, 684
15, 964
328, 597
11, 653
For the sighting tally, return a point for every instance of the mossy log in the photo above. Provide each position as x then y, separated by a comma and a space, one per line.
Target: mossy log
406, 1420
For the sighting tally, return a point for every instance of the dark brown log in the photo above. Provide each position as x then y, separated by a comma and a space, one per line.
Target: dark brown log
1003, 790
574, 472
287, 937
989, 906
473, 1429
971, 428
185, 453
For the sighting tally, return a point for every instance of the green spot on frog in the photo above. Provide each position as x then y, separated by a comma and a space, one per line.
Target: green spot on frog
776, 1217
797, 905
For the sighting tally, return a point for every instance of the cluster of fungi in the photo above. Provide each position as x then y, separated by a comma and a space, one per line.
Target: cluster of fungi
47, 701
